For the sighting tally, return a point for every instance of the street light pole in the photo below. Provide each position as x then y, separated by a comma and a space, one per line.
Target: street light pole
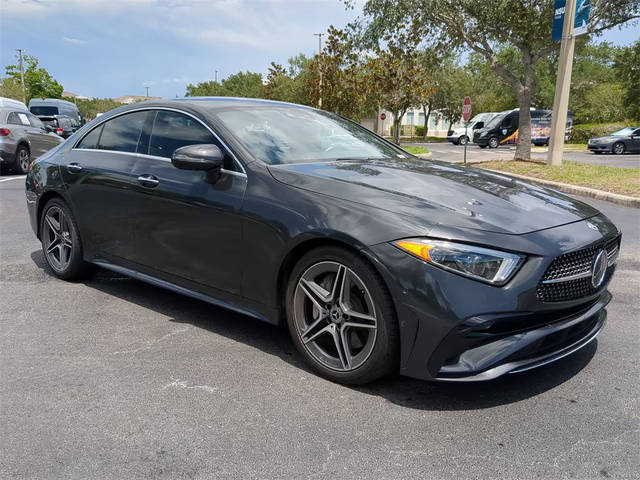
319, 35
563, 85
24, 93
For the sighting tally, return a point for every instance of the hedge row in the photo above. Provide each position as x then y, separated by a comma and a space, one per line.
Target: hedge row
582, 133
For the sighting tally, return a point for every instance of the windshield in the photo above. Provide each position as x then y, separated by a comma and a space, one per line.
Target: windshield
43, 110
298, 135
624, 131
495, 121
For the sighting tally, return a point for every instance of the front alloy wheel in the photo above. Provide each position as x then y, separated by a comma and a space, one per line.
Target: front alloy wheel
341, 317
493, 142
335, 316
618, 148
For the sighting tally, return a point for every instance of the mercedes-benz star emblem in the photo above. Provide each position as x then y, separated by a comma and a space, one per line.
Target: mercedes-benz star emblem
599, 269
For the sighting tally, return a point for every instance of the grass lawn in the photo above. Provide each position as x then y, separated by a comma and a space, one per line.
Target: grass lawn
415, 150
625, 181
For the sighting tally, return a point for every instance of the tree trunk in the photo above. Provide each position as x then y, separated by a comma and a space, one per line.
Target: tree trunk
396, 128
450, 126
427, 114
525, 94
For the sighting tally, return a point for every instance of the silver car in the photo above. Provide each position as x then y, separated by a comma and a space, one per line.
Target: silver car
23, 137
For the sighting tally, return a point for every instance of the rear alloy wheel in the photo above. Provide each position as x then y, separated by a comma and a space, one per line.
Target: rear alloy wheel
493, 142
618, 148
23, 160
61, 241
341, 317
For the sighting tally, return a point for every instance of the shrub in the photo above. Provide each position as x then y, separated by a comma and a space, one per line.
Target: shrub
582, 133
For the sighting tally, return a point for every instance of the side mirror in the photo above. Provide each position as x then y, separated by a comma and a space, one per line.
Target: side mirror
198, 157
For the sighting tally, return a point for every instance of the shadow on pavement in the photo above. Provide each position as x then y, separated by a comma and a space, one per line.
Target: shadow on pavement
402, 391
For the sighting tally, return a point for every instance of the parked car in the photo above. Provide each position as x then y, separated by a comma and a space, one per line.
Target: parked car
23, 136
54, 106
60, 124
460, 136
504, 128
619, 142
377, 261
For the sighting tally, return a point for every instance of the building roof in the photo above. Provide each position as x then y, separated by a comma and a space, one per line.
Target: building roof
127, 99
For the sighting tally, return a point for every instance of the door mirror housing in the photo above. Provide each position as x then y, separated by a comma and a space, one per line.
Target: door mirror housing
198, 157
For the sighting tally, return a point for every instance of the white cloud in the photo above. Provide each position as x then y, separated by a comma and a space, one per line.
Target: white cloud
74, 41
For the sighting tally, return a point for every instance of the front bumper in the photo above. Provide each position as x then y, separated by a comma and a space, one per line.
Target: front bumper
599, 147
481, 140
530, 349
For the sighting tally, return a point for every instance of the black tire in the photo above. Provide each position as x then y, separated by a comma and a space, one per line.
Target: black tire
618, 148
75, 267
23, 160
597, 152
383, 356
493, 142
463, 140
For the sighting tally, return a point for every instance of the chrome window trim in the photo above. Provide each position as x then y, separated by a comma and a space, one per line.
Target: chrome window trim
102, 122
152, 157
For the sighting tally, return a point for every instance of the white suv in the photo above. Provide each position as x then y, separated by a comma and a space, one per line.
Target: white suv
457, 135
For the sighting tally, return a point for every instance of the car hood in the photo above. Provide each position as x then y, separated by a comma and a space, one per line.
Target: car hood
436, 193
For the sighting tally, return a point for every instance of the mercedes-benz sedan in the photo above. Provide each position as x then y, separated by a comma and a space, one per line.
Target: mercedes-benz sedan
375, 260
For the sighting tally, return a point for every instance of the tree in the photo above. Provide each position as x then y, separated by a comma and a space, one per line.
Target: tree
397, 77
89, 108
10, 88
288, 84
485, 27
37, 81
241, 84
627, 69
451, 85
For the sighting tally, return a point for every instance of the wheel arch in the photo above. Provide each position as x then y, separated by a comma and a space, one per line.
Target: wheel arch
42, 201
301, 248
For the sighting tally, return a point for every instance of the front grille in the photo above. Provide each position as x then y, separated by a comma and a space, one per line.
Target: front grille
569, 275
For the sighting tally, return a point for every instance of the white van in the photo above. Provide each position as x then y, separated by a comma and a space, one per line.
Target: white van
49, 107
457, 136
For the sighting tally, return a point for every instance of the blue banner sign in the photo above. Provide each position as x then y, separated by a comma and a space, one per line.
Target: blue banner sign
581, 23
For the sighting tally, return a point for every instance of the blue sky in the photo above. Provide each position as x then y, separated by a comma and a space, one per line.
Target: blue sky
108, 48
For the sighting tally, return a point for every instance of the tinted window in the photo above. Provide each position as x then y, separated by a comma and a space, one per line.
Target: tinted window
44, 110
172, 130
122, 133
35, 121
91, 139
50, 121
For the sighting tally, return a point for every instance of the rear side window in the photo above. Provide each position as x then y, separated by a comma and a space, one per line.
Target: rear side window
123, 133
90, 140
17, 118
172, 130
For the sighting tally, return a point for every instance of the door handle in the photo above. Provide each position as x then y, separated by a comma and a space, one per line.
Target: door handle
148, 181
74, 167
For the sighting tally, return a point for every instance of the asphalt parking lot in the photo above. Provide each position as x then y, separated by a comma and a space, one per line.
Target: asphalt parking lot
454, 153
112, 378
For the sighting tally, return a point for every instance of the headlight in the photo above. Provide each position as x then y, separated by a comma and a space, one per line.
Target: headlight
484, 264
483, 134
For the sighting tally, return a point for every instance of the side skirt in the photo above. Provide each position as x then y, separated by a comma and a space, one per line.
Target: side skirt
177, 288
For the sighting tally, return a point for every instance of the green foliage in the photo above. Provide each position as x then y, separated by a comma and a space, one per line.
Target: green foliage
38, 82
89, 108
288, 85
10, 88
242, 84
627, 69
582, 133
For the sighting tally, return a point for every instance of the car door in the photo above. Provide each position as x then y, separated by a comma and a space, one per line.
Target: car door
187, 225
39, 136
635, 140
97, 172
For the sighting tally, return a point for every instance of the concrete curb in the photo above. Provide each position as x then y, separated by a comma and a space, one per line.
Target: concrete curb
624, 200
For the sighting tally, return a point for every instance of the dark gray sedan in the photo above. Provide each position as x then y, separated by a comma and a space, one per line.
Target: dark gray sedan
619, 142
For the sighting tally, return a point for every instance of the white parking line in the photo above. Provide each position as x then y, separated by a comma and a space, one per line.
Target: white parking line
12, 178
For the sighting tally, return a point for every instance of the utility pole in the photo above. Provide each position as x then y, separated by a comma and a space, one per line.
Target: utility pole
24, 92
563, 85
319, 35
147, 91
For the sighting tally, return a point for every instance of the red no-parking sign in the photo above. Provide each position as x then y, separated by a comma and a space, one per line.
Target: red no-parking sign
383, 116
466, 109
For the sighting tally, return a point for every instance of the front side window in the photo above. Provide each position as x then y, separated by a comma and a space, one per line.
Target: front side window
296, 135
90, 140
172, 130
122, 133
